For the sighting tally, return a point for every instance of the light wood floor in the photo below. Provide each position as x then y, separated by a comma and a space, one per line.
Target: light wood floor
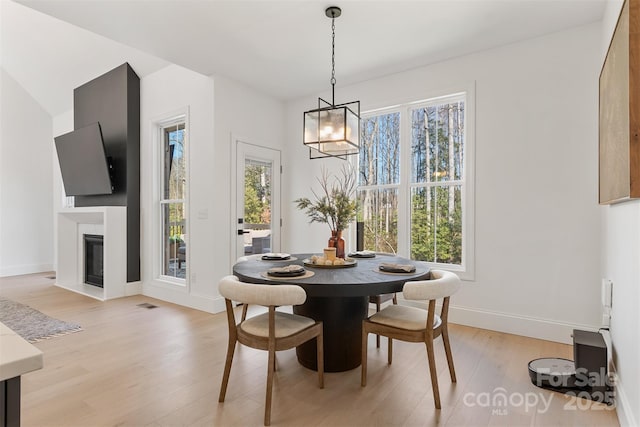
163, 366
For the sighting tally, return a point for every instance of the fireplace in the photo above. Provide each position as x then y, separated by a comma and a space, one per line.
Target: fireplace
93, 260
108, 223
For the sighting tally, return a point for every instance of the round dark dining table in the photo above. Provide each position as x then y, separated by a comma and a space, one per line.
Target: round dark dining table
339, 297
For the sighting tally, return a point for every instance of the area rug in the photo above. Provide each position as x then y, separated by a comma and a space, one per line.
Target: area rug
31, 324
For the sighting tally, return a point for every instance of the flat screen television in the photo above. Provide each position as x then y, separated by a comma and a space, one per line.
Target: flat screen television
83, 162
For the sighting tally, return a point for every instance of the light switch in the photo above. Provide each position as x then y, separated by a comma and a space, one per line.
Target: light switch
607, 290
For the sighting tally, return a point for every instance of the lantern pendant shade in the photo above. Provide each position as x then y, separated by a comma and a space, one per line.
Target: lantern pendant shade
332, 130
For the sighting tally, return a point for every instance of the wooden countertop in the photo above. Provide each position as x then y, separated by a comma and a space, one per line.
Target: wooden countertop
17, 356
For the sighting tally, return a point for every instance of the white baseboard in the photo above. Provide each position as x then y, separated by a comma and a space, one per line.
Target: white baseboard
623, 407
545, 329
86, 290
18, 270
180, 297
133, 288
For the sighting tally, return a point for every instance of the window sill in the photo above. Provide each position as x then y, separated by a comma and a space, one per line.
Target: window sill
173, 281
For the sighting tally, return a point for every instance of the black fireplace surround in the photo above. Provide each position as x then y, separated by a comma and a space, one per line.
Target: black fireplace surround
113, 101
93, 260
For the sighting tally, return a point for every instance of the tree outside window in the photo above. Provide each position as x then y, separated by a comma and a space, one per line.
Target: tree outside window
173, 201
434, 147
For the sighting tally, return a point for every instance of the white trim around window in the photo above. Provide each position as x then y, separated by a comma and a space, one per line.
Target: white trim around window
159, 124
466, 270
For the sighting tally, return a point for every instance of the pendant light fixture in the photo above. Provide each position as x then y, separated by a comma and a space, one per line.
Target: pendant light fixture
332, 130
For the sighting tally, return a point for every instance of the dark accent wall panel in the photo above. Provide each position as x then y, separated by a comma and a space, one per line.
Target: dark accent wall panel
113, 100
133, 177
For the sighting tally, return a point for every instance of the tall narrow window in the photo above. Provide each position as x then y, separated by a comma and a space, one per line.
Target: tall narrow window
437, 180
379, 181
413, 166
173, 200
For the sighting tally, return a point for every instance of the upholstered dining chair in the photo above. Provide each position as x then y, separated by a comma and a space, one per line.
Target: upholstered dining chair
272, 331
380, 299
416, 325
245, 306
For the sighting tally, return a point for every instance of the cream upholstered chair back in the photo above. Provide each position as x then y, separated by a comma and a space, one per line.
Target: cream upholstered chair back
245, 258
442, 284
233, 289
272, 331
414, 324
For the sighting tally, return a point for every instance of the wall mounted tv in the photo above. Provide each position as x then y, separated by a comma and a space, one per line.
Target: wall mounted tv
85, 167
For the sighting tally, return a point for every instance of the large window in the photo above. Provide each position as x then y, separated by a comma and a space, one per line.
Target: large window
379, 180
173, 200
415, 180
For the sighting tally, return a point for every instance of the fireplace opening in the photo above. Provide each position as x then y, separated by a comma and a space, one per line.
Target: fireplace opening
93, 260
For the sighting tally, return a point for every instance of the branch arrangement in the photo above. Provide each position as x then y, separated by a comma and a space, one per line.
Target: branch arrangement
333, 204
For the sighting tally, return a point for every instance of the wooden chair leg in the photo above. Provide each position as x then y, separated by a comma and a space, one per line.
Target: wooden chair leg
365, 336
227, 369
395, 299
377, 336
267, 405
320, 361
244, 312
433, 372
390, 351
447, 350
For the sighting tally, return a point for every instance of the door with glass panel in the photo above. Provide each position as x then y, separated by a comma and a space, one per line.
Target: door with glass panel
173, 201
257, 191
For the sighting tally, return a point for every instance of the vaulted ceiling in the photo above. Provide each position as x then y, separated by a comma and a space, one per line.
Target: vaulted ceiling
282, 48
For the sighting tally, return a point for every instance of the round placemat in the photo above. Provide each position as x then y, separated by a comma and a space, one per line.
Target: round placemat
292, 258
399, 274
306, 274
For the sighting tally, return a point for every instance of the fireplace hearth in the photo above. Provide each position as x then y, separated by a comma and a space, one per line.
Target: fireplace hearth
108, 223
94, 260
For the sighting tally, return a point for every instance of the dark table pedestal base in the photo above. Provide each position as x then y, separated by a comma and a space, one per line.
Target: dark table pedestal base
342, 324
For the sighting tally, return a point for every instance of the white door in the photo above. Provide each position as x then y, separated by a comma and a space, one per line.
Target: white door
256, 222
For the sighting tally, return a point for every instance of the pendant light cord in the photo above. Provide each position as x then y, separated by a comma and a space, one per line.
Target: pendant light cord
333, 60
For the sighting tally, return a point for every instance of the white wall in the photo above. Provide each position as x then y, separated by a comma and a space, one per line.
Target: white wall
537, 219
255, 118
26, 202
165, 92
621, 264
216, 110
62, 123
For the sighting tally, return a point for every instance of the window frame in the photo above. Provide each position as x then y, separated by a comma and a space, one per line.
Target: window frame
178, 118
396, 186
466, 270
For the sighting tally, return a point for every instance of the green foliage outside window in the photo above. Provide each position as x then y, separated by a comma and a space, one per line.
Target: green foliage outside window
435, 236
434, 185
257, 194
